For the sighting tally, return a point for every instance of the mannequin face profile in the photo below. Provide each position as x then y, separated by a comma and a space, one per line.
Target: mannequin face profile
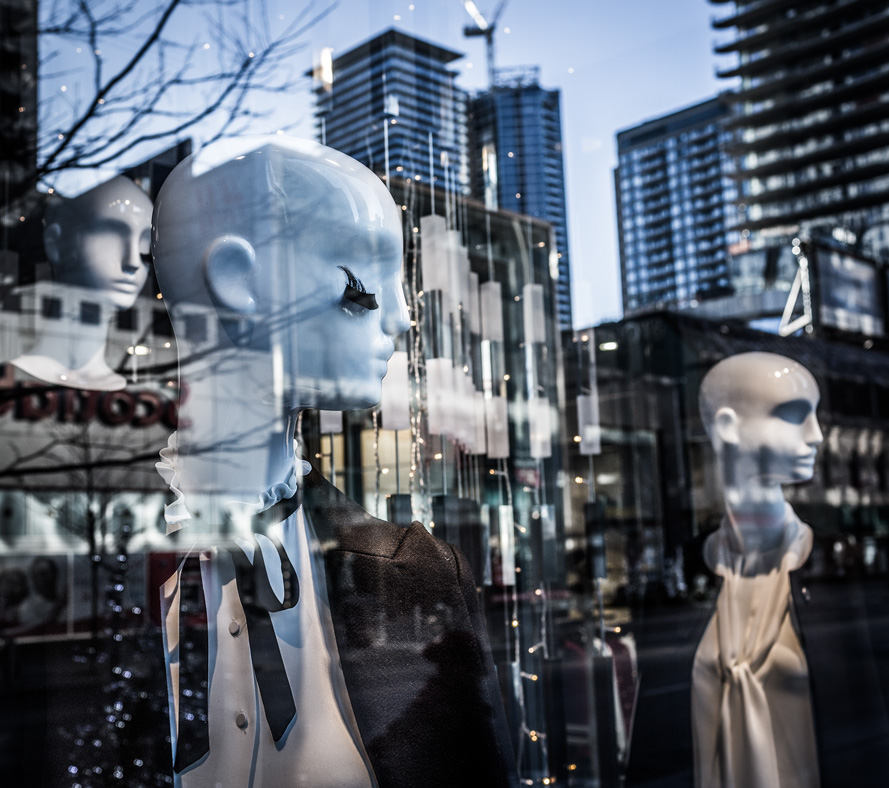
759, 411
340, 350
100, 241
295, 251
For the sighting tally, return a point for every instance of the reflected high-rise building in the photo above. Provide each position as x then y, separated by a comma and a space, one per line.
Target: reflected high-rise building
675, 208
395, 92
809, 115
18, 94
516, 157
18, 139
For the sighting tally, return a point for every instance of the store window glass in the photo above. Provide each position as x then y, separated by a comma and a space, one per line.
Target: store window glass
397, 394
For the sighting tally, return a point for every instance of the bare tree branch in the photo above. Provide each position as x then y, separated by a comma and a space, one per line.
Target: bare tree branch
106, 108
103, 90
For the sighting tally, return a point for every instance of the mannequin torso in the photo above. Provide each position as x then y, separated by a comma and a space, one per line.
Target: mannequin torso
322, 747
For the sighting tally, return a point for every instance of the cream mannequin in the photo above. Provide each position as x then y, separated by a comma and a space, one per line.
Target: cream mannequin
751, 707
97, 245
779, 682
759, 412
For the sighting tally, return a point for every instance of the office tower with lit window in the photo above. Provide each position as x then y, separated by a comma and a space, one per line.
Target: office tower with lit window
675, 207
811, 133
395, 95
516, 160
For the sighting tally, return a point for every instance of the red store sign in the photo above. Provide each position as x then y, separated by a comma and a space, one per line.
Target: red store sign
35, 401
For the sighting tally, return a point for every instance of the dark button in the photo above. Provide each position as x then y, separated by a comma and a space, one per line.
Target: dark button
241, 720
234, 628
806, 595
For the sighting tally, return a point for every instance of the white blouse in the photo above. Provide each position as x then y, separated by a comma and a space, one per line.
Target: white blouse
322, 747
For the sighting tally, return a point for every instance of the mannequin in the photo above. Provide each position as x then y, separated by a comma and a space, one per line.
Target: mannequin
780, 680
751, 706
97, 245
291, 252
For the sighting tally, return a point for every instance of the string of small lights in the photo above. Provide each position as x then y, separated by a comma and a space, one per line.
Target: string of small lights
456, 466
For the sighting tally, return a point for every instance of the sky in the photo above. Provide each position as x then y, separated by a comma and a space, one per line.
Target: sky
616, 62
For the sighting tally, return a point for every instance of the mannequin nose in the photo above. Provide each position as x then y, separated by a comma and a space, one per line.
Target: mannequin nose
814, 436
132, 257
395, 319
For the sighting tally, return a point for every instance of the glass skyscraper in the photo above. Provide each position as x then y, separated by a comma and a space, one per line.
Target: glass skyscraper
517, 161
675, 207
809, 115
400, 83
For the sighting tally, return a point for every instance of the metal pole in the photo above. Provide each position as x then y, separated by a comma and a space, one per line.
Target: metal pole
444, 467
386, 149
600, 603
431, 176
397, 467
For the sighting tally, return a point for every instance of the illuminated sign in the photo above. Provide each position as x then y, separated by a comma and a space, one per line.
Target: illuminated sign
849, 293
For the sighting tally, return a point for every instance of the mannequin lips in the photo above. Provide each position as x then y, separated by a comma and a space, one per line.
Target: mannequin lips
386, 349
383, 360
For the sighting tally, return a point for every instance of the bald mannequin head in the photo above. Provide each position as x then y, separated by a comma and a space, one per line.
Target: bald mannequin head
293, 251
99, 241
759, 412
98, 247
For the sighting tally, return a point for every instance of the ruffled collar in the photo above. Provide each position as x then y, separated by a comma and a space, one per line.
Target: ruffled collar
176, 514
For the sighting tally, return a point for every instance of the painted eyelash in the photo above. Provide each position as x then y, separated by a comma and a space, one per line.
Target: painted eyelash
355, 291
352, 281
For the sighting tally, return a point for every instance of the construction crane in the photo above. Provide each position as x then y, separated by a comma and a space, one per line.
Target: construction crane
484, 28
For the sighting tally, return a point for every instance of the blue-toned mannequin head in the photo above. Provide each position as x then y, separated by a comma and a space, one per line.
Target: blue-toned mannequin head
294, 252
99, 241
289, 254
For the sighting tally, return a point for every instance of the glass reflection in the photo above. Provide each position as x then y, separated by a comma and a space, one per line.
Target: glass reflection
97, 245
289, 254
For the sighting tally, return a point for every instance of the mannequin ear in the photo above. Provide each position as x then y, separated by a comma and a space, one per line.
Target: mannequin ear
725, 426
228, 272
52, 242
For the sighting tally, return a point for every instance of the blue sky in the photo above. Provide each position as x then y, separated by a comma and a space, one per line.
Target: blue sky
617, 62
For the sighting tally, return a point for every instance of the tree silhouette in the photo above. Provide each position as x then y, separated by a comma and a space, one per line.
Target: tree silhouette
132, 78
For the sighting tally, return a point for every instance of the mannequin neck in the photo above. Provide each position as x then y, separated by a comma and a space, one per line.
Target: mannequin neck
68, 351
234, 442
72, 356
756, 515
